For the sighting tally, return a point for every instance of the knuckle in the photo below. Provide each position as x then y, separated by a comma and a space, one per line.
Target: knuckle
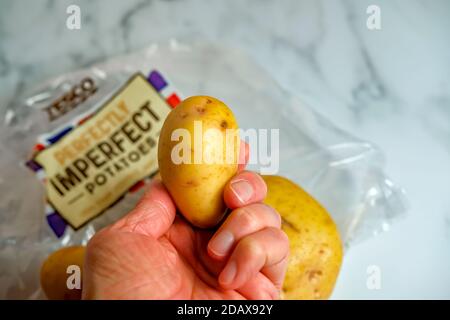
245, 219
273, 215
284, 239
284, 244
252, 246
280, 237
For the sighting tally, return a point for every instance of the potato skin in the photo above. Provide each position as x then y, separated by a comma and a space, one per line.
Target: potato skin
315, 246
197, 189
54, 273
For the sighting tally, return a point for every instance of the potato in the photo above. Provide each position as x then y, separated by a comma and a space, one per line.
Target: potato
197, 161
315, 246
54, 273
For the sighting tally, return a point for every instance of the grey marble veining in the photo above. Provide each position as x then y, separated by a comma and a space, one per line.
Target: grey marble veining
389, 86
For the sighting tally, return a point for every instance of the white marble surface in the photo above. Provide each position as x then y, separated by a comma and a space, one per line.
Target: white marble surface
390, 86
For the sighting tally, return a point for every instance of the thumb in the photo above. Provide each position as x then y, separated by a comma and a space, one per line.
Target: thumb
152, 216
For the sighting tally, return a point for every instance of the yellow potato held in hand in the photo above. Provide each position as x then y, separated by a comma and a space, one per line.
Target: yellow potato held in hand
197, 155
315, 246
54, 274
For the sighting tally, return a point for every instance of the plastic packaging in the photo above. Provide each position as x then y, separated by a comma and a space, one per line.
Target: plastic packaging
344, 173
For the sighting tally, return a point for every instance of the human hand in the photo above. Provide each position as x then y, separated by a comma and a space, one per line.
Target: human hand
152, 253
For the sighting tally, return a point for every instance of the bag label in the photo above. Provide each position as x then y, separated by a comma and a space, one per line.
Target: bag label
96, 163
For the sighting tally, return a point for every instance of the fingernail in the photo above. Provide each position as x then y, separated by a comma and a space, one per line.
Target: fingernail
222, 243
242, 189
229, 273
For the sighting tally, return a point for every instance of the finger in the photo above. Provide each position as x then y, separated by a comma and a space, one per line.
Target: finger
277, 272
240, 223
191, 245
259, 288
260, 251
244, 153
213, 265
153, 215
245, 188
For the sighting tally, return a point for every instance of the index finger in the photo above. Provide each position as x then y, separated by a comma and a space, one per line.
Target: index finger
243, 189
244, 154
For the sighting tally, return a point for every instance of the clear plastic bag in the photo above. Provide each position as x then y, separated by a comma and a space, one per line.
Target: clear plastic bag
344, 173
